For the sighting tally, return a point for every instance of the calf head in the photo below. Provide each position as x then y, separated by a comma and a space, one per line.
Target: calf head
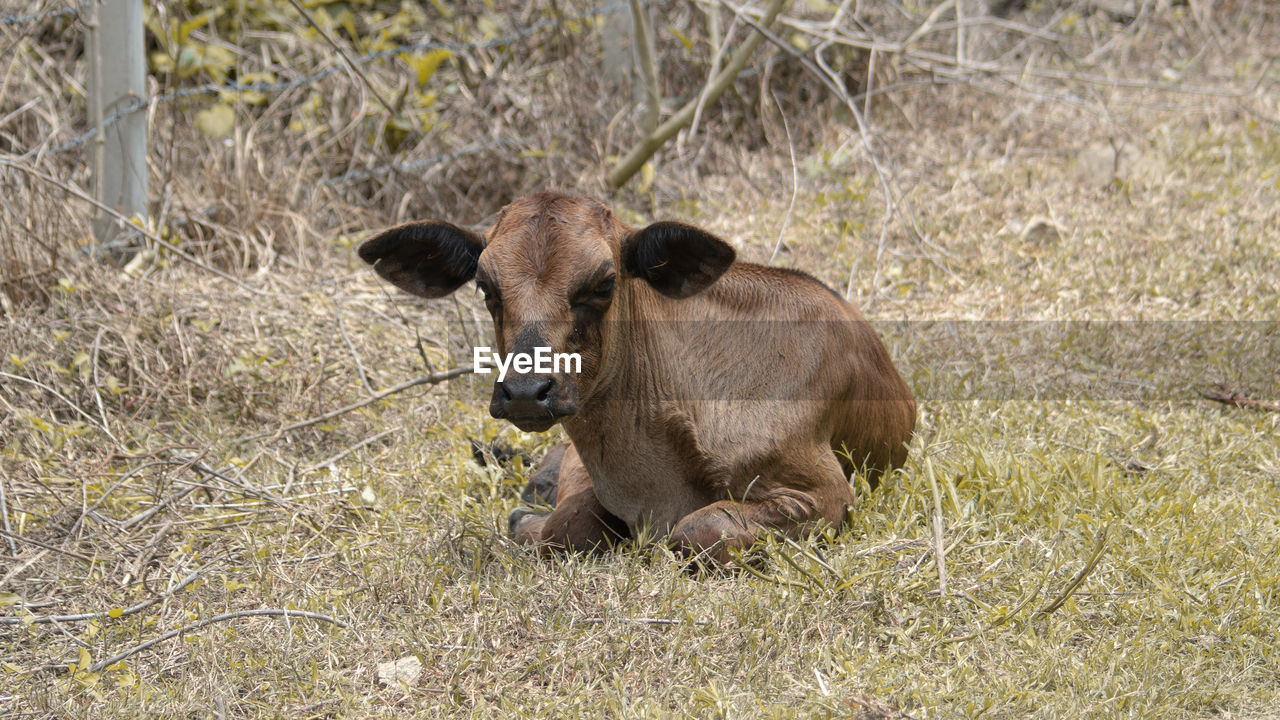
558, 272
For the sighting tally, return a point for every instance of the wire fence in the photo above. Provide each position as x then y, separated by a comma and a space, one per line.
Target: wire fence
278, 87
42, 16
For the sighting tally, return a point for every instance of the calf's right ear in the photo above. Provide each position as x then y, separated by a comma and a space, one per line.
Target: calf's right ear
427, 259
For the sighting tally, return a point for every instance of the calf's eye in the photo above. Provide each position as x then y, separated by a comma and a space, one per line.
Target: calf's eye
597, 296
491, 297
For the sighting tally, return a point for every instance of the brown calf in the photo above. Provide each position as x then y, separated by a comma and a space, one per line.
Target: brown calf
716, 400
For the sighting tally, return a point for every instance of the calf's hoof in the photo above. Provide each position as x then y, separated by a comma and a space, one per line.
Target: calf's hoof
522, 518
708, 539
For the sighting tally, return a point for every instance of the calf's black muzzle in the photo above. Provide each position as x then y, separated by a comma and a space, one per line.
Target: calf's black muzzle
532, 403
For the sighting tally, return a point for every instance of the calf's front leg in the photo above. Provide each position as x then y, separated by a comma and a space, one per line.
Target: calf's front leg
541, 490
579, 522
713, 531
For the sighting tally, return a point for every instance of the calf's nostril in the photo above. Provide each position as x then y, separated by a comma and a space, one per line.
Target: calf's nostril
544, 391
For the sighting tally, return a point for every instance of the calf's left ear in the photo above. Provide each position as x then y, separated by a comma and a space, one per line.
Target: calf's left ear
678, 260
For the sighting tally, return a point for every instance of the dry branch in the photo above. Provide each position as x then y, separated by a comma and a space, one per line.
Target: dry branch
142, 517
261, 494
431, 379
1062, 597
355, 69
831, 80
46, 546
77, 192
795, 183
106, 613
714, 38
91, 420
4, 520
98, 666
346, 451
1225, 395
643, 150
939, 547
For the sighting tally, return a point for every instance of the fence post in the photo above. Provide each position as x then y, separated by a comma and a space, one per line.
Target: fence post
117, 81
618, 34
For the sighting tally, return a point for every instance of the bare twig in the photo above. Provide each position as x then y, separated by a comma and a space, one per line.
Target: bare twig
431, 379
60, 396
828, 78
1062, 597
102, 498
831, 80
93, 23
4, 517
338, 456
713, 36
77, 192
146, 515
345, 57
106, 613
148, 552
17, 570
97, 394
927, 26
201, 467
98, 666
69, 636
871, 82
795, 183
1225, 395
639, 621
169, 502
21, 109
46, 546
939, 549
643, 150
937, 61
355, 355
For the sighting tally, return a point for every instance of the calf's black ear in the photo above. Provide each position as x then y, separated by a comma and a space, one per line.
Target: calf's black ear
427, 259
678, 260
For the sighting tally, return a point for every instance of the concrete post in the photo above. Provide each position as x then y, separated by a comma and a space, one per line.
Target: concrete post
117, 81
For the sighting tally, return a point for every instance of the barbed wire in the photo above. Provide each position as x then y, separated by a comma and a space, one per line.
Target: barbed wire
238, 88
422, 164
36, 17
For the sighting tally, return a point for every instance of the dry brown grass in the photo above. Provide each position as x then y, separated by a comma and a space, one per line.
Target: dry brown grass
129, 397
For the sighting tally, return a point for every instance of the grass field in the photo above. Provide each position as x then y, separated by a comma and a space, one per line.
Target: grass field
1078, 531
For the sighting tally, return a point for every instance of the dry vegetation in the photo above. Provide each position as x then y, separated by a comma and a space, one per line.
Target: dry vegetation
1083, 239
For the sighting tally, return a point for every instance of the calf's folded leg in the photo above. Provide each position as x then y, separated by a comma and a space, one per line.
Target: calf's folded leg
713, 531
542, 489
579, 522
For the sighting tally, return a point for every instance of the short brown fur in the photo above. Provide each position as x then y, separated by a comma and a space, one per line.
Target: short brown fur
716, 401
